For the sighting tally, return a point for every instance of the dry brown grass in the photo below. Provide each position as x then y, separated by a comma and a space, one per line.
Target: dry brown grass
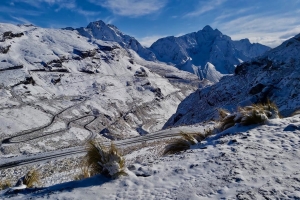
84, 171
185, 142
223, 113
249, 115
4, 184
227, 122
104, 160
32, 178
176, 146
297, 112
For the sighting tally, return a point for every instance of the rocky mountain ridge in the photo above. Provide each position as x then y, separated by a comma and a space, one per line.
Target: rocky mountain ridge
65, 89
207, 53
273, 76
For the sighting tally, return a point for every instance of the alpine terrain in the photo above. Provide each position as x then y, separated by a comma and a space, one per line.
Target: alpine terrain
207, 53
90, 113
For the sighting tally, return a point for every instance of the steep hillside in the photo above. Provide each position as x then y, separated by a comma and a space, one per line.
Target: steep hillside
59, 89
192, 52
273, 76
260, 162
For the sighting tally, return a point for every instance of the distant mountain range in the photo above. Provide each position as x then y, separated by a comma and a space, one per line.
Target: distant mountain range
273, 76
207, 53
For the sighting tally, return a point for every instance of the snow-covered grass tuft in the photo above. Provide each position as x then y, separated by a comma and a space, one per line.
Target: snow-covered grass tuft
185, 142
249, 115
177, 146
223, 113
32, 178
104, 160
5, 184
84, 172
296, 112
202, 136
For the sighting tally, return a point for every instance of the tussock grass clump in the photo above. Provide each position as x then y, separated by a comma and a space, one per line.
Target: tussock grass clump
249, 115
84, 172
104, 160
176, 146
5, 184
296, 112
223, 113
185, 142
32, 178
202, 136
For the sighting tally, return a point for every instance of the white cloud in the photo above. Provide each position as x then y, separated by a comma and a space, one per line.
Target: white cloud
149, 40
15, 11
61, 4
22, 20
132, 8
205, 7
269, 29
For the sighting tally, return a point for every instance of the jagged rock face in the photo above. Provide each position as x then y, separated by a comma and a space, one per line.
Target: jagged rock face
107, 32
192, 52
250, 50
66, 90
274, 76
207, 53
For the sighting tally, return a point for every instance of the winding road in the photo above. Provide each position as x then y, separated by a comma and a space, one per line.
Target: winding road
43, 157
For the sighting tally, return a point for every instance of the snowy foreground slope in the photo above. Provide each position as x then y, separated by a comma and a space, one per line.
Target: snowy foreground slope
273, 76
207, 53
59, 89
254, 162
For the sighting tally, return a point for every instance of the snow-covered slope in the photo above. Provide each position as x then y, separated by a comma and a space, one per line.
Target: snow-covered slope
192, 52
250, 50
274, 76
59, 89
107, 32
256, 162
207, 53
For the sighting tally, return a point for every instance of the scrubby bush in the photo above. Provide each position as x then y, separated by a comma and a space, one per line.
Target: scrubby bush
185, 142
5, 184
84, 171
104, 160
31, 179
254, 114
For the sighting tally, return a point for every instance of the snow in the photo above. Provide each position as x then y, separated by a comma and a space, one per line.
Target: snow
213, 53
62, 87
272, 76
16, 120
252, 162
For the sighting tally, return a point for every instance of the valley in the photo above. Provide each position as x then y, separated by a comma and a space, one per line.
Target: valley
64, 90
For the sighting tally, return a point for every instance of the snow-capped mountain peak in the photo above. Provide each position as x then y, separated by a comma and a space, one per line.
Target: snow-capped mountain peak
107, 32
203, 47
273, 76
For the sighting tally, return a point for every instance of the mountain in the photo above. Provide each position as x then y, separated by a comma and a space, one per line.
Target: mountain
107, 32
207, 53
61, 89
250, 50
273, 76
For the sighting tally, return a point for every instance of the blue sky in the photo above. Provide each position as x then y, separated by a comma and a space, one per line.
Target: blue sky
266, 21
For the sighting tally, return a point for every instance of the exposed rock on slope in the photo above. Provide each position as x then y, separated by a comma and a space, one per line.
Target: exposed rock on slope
107, 32
273, 76
250, 50
66, 89
192, 52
